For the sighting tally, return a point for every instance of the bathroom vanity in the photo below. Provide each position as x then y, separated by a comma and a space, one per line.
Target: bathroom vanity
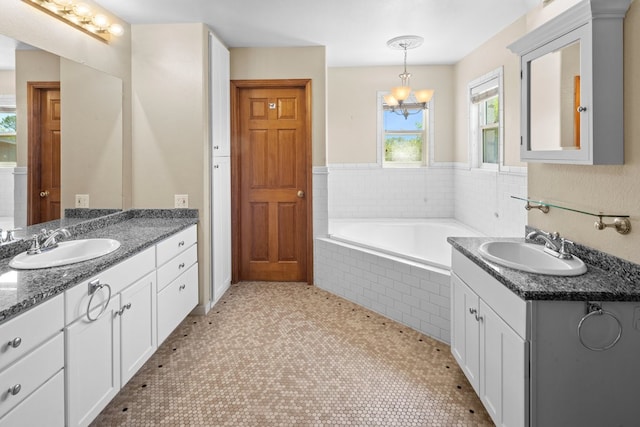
75, 334
547, 350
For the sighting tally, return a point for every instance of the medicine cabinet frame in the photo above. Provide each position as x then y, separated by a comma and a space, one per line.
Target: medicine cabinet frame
597, 25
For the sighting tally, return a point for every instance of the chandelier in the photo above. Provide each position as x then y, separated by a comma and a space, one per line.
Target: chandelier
403, 100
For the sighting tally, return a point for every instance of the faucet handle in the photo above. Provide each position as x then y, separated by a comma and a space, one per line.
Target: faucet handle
35, 245
563, 250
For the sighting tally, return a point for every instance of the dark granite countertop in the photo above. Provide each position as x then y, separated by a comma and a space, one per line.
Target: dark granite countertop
607, 278
136, 230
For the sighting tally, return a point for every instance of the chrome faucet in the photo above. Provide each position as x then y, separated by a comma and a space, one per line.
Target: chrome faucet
553, 244
8, 235
49, 242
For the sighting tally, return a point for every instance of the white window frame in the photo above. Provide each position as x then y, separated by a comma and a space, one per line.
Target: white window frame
477, 86
428, 137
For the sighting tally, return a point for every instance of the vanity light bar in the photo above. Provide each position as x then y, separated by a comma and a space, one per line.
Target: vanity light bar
80, 16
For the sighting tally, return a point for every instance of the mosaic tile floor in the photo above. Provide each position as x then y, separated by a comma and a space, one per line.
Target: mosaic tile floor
288, 354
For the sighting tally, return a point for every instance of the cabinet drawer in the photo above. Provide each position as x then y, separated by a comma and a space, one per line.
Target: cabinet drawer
45, 407
118, 277
30, 329
31, 372
176, 266
175, 244
176, 301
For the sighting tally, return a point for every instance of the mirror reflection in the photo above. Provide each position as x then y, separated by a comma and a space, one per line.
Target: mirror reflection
60, 136
554, 94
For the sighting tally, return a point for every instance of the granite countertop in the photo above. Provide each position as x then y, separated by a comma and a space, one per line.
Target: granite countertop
136, 230
607, 278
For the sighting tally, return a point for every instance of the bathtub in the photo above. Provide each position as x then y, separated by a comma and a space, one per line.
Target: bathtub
422, 241
399, 268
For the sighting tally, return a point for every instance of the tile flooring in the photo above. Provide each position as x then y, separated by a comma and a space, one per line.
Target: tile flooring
289, 354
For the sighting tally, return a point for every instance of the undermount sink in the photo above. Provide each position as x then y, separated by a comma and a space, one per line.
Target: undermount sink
69, 252
531, 258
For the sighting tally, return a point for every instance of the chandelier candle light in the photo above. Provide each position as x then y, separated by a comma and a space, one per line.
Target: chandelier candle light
80, 16
402, 100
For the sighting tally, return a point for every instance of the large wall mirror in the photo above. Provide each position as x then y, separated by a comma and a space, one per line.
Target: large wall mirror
85, 144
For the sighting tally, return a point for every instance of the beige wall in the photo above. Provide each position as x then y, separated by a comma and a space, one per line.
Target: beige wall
611, 189
488, 57
352, 110
22, 22
91, 151
170, 134
290, 63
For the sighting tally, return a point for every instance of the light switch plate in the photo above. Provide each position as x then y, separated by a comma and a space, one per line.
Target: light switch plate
181, 201
82, 200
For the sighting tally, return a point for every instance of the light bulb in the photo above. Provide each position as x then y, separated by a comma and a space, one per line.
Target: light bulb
401, 92
424, 95
390, 100
82, 10
116, 29
101, 21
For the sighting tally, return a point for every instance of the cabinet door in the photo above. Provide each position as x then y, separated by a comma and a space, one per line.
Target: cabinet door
137, 325
221, 253
220, 100
465, 330
93, 363
502, 370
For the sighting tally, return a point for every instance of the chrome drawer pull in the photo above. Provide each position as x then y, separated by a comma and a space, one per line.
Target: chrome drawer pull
181, 265
181, 243
124, 307
182, 287
15, 343
93, 287
15, 389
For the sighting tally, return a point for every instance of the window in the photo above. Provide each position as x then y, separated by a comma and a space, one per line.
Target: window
7, 136
485, 117
403, 141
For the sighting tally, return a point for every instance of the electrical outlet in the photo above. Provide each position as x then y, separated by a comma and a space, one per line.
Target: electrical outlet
181, 201
82, 200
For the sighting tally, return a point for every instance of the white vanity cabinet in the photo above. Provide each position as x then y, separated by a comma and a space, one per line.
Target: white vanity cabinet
488, 340
31, 367
177, 260
104, 345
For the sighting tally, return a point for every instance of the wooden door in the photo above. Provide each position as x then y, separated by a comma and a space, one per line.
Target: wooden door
272, 157
44, 152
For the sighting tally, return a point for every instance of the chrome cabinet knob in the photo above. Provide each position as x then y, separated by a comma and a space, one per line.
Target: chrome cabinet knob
15, 389
15, 343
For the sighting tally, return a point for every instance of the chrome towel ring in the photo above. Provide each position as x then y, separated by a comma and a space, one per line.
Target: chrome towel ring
93, 287
594, 309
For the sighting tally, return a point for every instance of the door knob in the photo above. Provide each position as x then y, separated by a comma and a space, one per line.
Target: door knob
300, 194
44, 193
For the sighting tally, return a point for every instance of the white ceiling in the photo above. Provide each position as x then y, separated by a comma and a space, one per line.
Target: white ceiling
354, 32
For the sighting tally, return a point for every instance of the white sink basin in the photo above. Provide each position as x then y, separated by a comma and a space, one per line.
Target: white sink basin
531, 258
68, 252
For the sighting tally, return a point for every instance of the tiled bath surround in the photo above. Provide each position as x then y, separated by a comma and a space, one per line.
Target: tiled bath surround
410, 293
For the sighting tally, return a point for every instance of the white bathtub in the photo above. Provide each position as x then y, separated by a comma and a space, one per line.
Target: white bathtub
419, 240
399, 268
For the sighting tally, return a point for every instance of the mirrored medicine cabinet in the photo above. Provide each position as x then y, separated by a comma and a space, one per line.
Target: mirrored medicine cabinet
572, 86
